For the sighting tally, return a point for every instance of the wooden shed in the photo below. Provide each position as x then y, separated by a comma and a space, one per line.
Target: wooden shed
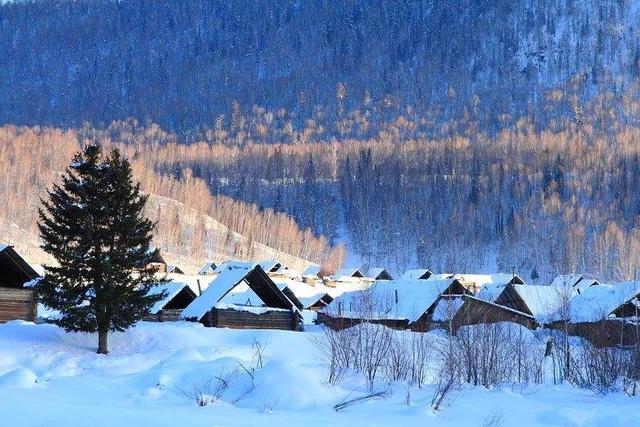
244, 296
16, 301
178, 296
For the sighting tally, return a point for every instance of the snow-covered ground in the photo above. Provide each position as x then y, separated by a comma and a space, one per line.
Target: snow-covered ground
52, 378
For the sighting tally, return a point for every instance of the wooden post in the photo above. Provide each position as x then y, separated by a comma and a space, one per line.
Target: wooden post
199, 287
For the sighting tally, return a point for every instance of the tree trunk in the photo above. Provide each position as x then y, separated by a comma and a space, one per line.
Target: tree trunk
102, 342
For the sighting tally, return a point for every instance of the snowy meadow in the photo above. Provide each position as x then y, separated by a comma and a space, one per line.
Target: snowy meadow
166, 374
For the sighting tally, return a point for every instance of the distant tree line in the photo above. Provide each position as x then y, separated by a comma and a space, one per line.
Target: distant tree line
192, 223
560, 199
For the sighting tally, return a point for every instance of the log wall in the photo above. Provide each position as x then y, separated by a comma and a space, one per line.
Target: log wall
340, 323
17, 304
238, 319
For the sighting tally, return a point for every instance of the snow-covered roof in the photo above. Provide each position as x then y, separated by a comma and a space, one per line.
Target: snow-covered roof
233, 264
171, 268
577, 281
543, 301
231, 274
441, 276
312, 270
208, 268
416, 274
270, 265
240, 283
349, 272
484, 279
172, 289
598, 302
377, 272
446, 308
3, 246
414, 298
491, 291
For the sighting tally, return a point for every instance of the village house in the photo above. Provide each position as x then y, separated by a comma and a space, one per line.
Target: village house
243, 296
575, 281
16, 300
178, 296
398, 304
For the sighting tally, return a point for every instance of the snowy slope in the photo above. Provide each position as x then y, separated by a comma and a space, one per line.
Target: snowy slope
51, 378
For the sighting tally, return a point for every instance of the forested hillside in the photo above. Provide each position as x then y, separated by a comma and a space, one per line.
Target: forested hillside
184, 64
192, 226
542, 201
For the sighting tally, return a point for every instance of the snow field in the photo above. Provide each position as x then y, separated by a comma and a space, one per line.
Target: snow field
151, 378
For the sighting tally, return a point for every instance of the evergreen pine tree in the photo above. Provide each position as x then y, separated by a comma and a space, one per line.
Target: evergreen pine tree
534, 275
93, 226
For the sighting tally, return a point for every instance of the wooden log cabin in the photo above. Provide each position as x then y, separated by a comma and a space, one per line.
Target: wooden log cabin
16, 301
244, 296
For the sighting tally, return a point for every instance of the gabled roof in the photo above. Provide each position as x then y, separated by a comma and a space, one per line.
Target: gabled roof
234, 282
576, 281
395, 299
349, 272
599, 302
174, 269
270, 265
446, 308
14, 270
312, 270
155, 256
208, 268
172, 290
379, 273
416, 274
543, 302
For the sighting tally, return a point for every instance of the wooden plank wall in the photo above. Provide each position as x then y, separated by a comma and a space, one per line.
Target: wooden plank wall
237, 319
17, 304
340, 323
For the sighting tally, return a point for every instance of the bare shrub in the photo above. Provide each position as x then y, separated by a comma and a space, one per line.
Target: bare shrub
211, 390
399, 360
601, 370
495, 418
447, 378
365, 347
421, 358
